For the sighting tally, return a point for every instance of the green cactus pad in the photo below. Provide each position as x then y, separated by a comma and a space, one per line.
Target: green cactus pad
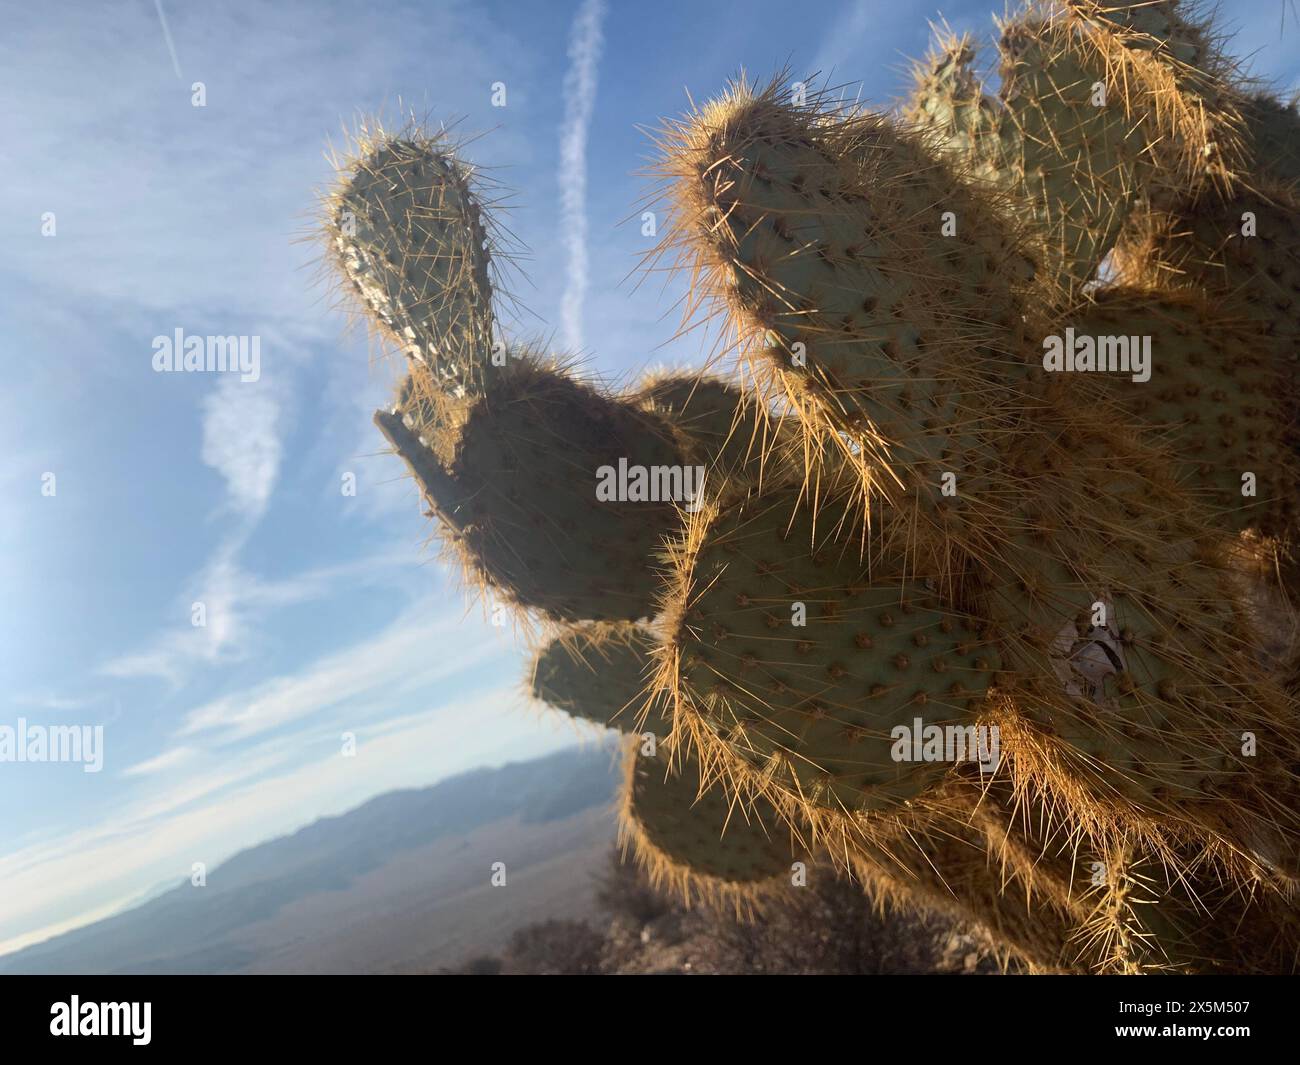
1215, 397
1060, 901
1078, 164
812, 229
947, 96
1164, 57
810, 708
703, 846
603, 674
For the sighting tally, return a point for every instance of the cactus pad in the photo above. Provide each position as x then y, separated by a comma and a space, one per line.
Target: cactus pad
519, 496
409, 233
700, 845
602, 674
809, 708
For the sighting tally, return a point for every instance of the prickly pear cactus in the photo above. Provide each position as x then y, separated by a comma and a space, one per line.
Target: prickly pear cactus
691, 835
966, 597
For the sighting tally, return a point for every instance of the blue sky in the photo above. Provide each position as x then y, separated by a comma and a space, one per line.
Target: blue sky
326, 613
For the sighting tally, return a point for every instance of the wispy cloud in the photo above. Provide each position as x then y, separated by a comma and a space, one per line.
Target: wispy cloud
579, 101
241, 441
50, 701
235, 604
222, 591
270, 754
169, 759
399, 659
167, 36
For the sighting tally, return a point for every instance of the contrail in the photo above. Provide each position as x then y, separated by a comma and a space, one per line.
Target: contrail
167, 36
579, 99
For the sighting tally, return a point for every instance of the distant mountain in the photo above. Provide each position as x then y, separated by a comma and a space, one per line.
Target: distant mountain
149, 894
402, 883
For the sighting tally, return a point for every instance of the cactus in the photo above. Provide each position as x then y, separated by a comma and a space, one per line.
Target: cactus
689, 835
1098, 103
907, 520
518, 496
697, 841
800, 658
1076, 164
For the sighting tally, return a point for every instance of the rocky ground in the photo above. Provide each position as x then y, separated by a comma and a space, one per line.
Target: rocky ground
828, 927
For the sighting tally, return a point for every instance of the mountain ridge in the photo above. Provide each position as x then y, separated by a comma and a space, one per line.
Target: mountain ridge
293, 896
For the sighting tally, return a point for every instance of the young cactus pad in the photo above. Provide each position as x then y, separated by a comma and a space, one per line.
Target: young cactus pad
407, 231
